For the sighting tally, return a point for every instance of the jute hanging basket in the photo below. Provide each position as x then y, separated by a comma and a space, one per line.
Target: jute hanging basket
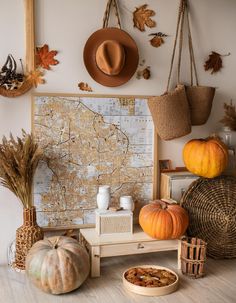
200, 100
211, 204
199, 97
26, 236
170, 114
170, 111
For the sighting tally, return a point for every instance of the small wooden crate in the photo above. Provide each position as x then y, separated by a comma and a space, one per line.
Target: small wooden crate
174, 184
193, 257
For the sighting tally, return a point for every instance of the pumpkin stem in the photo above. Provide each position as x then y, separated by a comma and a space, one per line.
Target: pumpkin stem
160, 202
55, 245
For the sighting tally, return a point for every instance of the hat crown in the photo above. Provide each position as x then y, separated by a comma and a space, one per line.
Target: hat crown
110, 57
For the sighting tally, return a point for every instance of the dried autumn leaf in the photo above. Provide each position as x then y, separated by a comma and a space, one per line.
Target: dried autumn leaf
142, 16
214, 62
146, 73
157, 40
85, 87
45, 58
36, 77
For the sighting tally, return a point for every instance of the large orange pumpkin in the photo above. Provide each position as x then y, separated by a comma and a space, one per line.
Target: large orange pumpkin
206, 157
163, 221
57, 265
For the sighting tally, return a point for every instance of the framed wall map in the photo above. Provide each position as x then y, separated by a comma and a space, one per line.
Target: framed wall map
90, 141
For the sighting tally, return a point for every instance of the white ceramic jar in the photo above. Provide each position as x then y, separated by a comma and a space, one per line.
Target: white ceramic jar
126, 202
103, 197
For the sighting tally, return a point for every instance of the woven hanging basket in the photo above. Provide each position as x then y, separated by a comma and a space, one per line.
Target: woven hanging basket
211, 204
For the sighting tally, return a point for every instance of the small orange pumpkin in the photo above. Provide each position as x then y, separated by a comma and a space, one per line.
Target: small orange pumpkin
163, 221
206, 157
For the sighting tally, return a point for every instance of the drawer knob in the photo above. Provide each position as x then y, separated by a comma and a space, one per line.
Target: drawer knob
140, 246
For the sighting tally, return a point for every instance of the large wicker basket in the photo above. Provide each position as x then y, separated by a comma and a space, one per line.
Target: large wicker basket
211, 204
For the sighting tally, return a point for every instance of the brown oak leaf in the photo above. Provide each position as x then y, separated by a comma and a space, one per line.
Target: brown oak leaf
85, 87
142, 16
214, 62
45, 58
36, 77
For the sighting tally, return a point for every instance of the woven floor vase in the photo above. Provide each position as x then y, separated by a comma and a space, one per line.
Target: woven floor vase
170, 114
200, 100
26, 236
211, 205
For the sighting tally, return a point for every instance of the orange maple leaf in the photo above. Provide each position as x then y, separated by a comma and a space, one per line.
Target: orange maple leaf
35, 77
44, 57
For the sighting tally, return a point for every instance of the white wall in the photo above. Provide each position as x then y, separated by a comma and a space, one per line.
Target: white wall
66, 24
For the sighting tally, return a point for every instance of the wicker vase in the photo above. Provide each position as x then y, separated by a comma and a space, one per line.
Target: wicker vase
26, 236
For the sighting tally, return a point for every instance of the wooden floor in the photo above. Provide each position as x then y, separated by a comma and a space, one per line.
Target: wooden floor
219, 286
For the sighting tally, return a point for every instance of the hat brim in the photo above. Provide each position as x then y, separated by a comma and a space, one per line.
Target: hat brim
131, 56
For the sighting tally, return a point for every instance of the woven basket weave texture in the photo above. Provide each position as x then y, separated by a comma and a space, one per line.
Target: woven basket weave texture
211, 204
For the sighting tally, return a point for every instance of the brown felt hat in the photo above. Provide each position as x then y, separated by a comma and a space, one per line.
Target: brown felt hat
111, 56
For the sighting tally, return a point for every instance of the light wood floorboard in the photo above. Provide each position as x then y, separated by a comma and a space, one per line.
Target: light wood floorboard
219, 286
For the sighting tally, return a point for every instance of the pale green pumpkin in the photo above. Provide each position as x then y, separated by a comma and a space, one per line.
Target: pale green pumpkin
57, 265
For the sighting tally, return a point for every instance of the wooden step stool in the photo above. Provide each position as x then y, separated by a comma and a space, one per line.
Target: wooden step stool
119, 244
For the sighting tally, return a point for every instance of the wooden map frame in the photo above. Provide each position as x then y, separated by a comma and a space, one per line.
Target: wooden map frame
155, 188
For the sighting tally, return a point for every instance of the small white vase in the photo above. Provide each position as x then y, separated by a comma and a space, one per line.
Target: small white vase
126, 202
103, 197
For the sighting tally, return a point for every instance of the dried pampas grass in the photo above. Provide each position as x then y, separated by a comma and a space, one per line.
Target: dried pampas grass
229, 118
19, 159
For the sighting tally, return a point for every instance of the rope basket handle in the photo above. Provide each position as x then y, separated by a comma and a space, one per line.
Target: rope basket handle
180, 16
190, 45
108, 12
183, 10
181, 38
191, 52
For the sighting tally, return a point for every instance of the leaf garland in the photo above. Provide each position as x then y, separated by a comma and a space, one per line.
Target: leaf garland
142, 17
45, 58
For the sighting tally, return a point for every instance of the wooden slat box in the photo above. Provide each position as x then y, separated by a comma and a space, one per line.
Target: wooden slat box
114, 222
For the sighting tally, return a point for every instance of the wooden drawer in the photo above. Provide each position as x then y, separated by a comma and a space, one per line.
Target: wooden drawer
137, 248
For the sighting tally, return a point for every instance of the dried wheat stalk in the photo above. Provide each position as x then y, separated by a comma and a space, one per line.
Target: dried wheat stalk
19, 159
